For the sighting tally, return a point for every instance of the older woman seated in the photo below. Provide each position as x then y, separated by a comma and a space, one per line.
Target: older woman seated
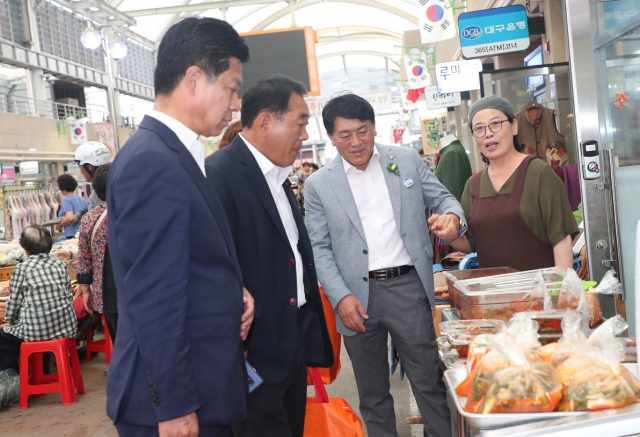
39, 307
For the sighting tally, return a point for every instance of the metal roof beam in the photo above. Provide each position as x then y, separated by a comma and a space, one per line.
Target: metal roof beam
200, 7
356, 36
358, 52
97, 10
349, 30
306, 3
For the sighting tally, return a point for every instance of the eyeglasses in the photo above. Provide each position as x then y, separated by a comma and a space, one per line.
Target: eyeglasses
481, 131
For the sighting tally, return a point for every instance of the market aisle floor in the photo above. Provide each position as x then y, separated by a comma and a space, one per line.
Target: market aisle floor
46, 416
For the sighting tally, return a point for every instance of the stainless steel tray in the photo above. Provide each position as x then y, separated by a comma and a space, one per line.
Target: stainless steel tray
454, 376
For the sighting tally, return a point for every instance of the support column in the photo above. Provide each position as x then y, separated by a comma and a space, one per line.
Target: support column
36, 87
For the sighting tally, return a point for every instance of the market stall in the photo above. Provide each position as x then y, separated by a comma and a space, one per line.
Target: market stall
507, 321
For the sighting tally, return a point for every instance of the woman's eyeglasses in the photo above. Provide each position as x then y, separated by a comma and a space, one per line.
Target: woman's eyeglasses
481, 131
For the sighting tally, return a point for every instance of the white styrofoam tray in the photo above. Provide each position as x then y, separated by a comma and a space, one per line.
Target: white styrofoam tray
454, 376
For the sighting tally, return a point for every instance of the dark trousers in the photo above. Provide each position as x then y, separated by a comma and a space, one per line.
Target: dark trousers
112, 324
398, 307
10, 353
277, 410
125, 430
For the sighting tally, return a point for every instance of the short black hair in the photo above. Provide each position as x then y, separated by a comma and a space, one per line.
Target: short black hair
349, 106
270, 94
206, 42
67, 183
36, 239
99, 181
315, 166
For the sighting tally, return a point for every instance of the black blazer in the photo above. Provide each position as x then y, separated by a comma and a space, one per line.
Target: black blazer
267, 264
178, 348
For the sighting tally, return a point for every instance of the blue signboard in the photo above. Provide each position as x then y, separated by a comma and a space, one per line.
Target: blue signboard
492, 32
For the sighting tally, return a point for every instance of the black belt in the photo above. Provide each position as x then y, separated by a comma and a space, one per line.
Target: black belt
382, 274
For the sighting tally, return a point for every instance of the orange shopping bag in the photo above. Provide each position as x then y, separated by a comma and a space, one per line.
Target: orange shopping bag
329, 374
329, 417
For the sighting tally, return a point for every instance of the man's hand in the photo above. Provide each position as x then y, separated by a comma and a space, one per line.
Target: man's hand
247, 316
351, 312
185, 426
87, 297
446, 227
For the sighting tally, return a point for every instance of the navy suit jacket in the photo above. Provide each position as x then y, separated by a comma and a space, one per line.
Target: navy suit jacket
178, 347
268, 266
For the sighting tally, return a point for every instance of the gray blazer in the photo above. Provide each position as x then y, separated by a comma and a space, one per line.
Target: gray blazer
337, 236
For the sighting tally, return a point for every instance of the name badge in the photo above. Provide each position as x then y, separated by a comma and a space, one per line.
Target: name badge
407, 182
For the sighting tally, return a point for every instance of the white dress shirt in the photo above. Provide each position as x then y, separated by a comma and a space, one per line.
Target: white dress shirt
275, 177
188, 137
370, 192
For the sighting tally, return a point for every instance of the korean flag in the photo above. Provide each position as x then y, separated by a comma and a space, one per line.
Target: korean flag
417, 73
436, 19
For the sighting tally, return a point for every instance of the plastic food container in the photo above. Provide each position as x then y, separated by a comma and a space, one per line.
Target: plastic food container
472, 326
549, 338
549, 322
461, 340
442, 342
500, 297
630, 350
452, 276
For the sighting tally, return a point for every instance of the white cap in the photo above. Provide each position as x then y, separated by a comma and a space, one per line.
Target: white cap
94, 153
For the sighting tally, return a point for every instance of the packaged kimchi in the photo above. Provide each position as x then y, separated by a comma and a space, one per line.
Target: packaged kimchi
593, 378
572, 294
510, 378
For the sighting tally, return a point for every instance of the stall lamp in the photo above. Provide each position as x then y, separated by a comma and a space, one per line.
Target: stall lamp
118, 50
91, 38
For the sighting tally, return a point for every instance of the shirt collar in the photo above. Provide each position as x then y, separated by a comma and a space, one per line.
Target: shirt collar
265, 165
348, 166
184, 134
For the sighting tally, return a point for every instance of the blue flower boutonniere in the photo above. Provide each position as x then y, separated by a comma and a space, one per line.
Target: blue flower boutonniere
393, 168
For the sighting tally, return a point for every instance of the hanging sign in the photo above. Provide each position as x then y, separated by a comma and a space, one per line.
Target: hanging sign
458, 76
430, 136
435, 100
436, 20
29, 168
494, 31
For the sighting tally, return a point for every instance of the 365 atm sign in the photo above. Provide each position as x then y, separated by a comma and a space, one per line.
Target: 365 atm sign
492, 32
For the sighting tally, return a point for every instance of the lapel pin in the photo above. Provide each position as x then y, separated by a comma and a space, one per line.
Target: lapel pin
407, 182
390, 156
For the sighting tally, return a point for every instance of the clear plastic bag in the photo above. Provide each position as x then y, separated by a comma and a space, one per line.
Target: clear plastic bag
510, 378
592, 377
9, 387
539, 295
609, 284
572, 294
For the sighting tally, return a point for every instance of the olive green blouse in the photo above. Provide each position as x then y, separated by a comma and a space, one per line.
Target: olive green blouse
544, 205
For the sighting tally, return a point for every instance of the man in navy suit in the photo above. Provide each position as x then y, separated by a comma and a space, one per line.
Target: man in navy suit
178, 366
289, 331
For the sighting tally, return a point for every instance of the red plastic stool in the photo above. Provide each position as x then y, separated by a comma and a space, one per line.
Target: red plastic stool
66, 381
103, 346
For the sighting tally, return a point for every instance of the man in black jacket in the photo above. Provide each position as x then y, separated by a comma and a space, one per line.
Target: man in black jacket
289, 330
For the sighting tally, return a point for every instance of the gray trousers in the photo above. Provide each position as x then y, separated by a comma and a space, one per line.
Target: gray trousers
398, 307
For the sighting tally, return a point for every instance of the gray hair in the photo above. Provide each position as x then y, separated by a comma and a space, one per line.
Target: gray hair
36, 239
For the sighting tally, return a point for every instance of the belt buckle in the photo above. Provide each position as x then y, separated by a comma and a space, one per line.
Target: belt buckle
380, 275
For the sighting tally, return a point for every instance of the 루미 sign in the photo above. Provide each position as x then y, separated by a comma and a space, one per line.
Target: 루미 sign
435, 100
492, 32
458, 76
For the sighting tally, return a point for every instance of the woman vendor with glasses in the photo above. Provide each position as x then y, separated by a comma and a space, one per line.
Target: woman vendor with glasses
517, 208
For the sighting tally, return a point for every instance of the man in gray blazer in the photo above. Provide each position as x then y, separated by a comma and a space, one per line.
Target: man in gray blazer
368, 228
